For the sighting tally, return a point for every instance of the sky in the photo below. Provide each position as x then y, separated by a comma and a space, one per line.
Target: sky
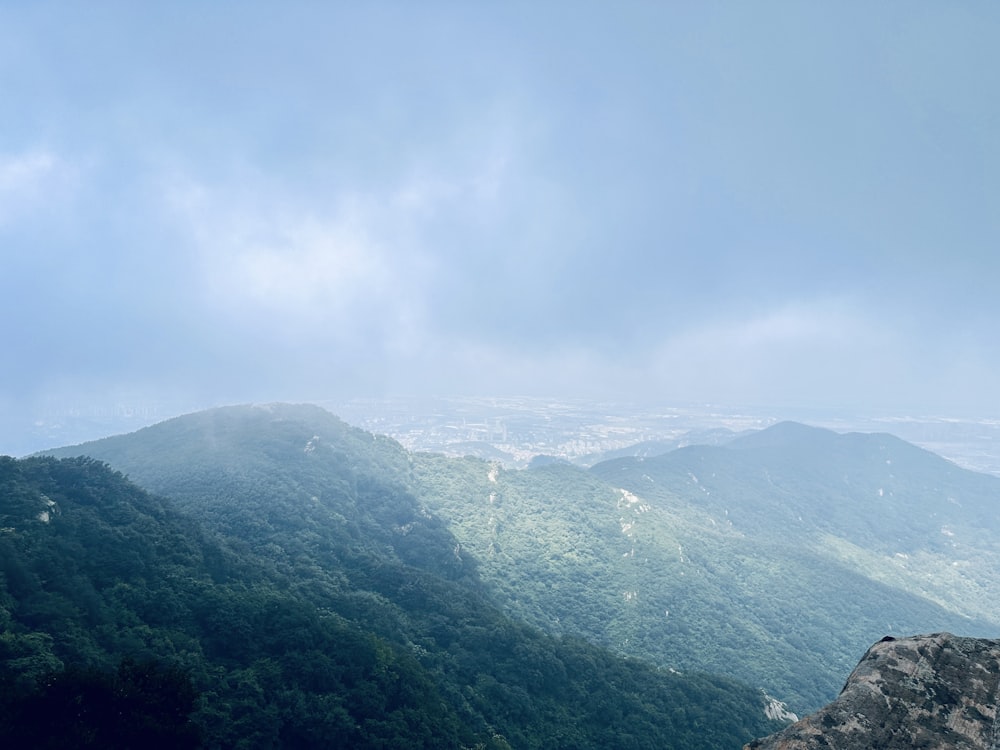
788, 203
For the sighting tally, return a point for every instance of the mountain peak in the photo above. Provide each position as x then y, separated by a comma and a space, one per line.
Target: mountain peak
783, 434
936, 690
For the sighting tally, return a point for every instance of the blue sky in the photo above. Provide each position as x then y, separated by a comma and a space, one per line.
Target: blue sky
793, 203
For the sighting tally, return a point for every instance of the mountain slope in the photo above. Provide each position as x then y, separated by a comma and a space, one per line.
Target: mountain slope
99, 576
643, 556
80, 546
885, 508
772, 559
823, 542
319, 515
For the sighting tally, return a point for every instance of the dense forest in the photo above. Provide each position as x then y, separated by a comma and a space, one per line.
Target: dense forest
772, 561
279, 617
776, 559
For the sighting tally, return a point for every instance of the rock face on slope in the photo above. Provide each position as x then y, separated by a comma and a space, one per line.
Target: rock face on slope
928, 691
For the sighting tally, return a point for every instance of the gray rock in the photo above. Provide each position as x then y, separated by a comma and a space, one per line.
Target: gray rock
927, 691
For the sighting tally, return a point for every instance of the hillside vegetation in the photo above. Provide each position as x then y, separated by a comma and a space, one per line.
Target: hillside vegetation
775, 559
282, 589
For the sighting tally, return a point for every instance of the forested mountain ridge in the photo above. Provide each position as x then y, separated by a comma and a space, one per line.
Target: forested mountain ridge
106, 576
879, 505
78, 542
829, 539
322, 605
693, 560
689, 559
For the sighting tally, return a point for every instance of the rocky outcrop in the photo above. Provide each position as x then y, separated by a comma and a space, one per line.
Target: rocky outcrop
929, 691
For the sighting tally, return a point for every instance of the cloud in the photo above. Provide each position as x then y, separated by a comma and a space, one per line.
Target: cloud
790, 326
260, 262
289, 263
341, 265
27, 180
24, 171
784, 355
794, 352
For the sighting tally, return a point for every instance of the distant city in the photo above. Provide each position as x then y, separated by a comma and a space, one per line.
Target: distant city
515, 430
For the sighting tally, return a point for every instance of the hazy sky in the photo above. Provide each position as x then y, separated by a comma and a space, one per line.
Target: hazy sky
748, 202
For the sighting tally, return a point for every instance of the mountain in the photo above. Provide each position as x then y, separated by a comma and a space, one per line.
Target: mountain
88, 561
111, 596
812, 544
697, 559
331, 607
886, 509
774, 559
924, 691
651, 448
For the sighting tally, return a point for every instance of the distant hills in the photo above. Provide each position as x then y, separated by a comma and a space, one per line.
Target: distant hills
814, 543
652, 448
774, 559
698, 558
